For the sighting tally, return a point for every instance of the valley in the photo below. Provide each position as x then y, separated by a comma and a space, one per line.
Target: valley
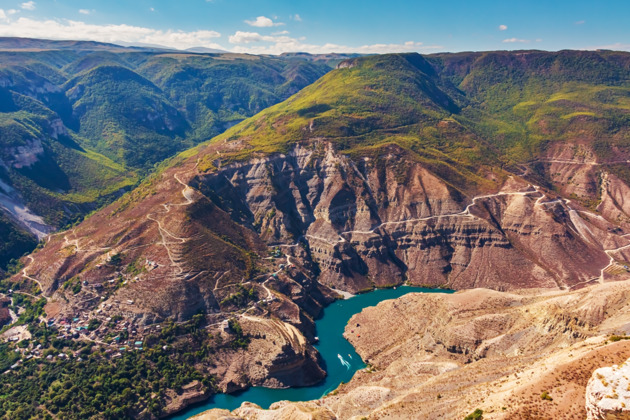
81, 123
499, 175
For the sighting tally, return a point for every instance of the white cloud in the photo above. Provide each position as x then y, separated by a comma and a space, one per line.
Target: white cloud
281, 33
65, 29
296, 18
241, 37
84, 11
503, 27
516, 40
269, 44
263, 22
4, 15
152, 9
29, 5
580, 22
617, 46
242, 41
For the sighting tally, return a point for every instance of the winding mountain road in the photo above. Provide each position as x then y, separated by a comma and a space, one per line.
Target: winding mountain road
187, 193
25, 275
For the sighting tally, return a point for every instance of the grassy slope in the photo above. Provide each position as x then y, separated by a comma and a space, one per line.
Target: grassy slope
65, 171
463, 111
214, 92
380, 100
125, 116
522, 101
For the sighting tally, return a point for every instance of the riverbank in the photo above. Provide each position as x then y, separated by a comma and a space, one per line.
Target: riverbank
340, 359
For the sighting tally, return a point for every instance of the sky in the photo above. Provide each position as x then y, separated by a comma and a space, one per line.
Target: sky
324, 26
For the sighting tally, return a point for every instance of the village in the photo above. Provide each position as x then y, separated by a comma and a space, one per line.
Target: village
104, 325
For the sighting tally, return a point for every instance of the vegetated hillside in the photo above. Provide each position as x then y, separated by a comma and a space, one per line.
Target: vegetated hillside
531, 98
15, 241
125, 117
391, 169
516, 103
81, 122
215, 94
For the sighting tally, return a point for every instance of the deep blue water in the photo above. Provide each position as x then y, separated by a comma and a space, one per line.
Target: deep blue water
340, 358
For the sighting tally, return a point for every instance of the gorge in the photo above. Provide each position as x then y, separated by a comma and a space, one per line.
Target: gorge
501, 175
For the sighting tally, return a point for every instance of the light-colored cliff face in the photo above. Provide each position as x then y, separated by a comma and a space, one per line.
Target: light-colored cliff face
10, 200
608, 393
25, 155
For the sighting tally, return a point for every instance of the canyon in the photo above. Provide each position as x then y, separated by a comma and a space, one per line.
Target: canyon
389, 170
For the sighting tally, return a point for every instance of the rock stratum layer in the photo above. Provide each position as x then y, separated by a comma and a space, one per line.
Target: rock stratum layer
336, 224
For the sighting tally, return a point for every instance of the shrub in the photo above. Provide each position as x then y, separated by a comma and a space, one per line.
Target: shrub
475, 415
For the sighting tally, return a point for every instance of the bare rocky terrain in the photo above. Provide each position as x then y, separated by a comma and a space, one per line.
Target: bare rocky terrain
353, 223
443, 356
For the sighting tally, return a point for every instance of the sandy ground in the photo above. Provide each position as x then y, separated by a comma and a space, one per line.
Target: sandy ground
20, 331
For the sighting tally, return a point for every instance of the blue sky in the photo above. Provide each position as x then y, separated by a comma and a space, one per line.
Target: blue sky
367, 26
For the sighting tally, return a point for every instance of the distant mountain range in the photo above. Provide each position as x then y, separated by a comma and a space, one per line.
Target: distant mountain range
21, 44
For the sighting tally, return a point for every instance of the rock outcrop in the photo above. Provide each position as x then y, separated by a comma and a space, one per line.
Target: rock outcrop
278, 356
608, 393
378, 222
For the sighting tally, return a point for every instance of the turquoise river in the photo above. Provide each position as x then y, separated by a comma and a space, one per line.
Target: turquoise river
340, 359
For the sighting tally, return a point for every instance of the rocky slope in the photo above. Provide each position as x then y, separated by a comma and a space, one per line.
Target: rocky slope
358, 226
